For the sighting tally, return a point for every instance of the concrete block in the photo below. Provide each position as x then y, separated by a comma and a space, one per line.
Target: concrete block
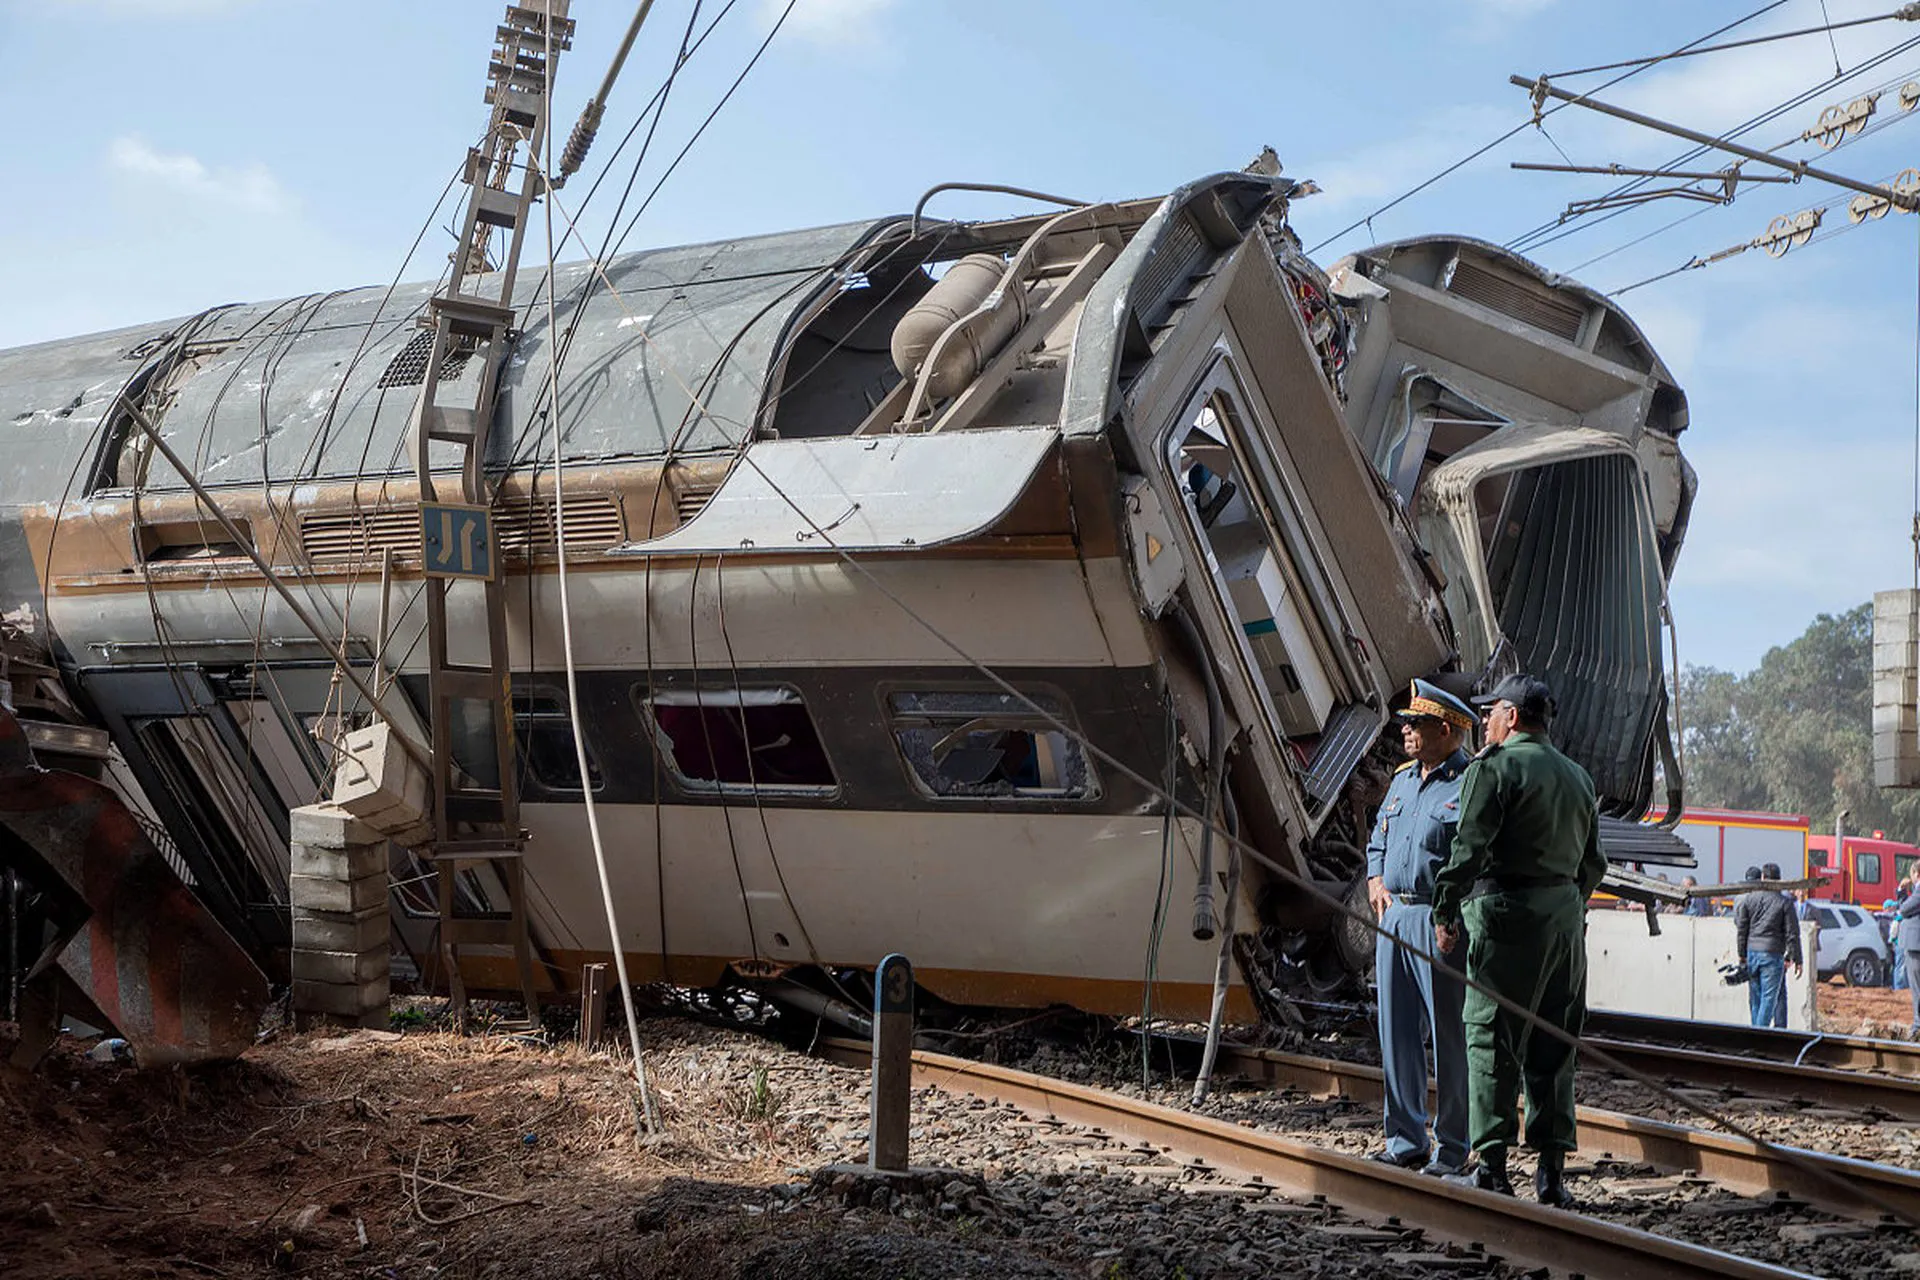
353, 862
317, 893
377, 782
342, 968
340, 999
328, 826
1675, 974
341, 931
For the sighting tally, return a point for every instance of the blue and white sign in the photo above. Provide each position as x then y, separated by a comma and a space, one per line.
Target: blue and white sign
456, 541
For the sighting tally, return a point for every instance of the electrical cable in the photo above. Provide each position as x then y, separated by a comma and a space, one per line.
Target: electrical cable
566, 643
1539, 237
724, 99
1904, 14
1468, 159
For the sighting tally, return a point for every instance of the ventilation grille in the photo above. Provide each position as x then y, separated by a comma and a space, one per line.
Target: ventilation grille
408, 368
522, 528
1530, 304
692, 500
1175, 261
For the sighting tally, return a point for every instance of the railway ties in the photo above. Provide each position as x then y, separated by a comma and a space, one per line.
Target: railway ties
1280, 1188
1803, 1048
1740, 1165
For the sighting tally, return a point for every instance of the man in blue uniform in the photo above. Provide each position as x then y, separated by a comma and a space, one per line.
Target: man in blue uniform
1411, 839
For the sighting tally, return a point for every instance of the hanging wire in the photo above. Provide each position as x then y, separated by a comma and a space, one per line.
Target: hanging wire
566, 645
1468, 159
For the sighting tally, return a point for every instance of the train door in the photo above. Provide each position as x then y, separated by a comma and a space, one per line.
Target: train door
219, 772
1251, 530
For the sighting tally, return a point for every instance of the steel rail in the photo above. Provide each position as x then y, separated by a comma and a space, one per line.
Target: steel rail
1734, 1162
1512, 1228
1807, 1048
1891, 1095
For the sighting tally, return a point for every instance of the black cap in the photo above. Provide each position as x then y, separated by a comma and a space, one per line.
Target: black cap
1753, 873
1770, 872
1531, 696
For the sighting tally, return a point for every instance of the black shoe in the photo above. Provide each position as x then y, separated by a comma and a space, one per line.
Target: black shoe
1548, 1184
1436, 1168
1489, 1175
1411, 1160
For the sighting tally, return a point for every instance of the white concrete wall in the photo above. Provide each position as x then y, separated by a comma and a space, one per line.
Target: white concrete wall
1676, 974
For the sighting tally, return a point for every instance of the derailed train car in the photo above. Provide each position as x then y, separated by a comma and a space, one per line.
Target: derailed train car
916, 561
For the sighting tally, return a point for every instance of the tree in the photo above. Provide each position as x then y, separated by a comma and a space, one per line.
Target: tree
1795, 734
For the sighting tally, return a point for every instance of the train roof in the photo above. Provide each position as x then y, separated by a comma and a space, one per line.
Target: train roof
674, 357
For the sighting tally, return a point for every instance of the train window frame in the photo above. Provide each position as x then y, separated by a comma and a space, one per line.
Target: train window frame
741, 700
1220, 410
539, 711
999, 714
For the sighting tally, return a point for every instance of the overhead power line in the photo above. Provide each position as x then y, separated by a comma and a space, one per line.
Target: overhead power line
1905, 13
1468, 159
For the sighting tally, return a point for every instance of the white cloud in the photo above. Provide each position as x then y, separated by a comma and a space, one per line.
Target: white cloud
252, 188
829, 22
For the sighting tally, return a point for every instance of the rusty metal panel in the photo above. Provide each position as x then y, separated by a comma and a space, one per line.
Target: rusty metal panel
150, 958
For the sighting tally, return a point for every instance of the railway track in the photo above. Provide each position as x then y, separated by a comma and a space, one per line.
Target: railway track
1854, 1188
1284, 1175
1897, 1097
1804, 1048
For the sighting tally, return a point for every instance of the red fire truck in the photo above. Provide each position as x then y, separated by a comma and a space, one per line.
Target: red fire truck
1727, 841
1868, 870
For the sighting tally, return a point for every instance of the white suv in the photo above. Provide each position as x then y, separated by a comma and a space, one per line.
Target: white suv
1850, 943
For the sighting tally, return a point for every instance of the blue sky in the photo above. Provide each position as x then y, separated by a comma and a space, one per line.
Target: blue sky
171, 154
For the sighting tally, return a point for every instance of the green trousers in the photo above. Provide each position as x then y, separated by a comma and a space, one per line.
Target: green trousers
1530, 946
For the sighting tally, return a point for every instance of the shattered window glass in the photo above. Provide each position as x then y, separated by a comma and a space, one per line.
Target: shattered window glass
739, 740
544, 732
986, 745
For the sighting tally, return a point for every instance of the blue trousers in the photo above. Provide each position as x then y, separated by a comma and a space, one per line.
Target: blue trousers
1766, 989
1416, 1003
1899, 981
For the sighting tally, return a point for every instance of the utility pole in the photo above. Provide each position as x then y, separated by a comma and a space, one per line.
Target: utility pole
475, 794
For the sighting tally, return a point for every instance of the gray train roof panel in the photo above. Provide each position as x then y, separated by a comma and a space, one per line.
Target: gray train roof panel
292, 389
858, 493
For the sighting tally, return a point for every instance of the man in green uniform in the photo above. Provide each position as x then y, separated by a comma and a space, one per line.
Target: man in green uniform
1526, 856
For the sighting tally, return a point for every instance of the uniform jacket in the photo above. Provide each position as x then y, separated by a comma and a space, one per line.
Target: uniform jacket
1765, 921
1526, 812
1909, 938
1414, 833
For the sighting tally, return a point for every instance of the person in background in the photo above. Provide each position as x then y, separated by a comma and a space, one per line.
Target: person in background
1695, 906
1899, 980
1411, 839
1767, 936
1909, 942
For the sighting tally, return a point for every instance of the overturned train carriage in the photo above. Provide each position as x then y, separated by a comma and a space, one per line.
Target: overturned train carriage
828, 495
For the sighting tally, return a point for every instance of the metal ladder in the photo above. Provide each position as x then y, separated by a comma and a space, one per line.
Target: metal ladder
472, 320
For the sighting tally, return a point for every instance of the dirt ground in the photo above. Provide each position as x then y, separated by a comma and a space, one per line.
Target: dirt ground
375, 1154
1864, 1011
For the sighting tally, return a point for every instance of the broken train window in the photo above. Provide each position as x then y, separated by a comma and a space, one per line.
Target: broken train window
985, 745
731, 740
544, 731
